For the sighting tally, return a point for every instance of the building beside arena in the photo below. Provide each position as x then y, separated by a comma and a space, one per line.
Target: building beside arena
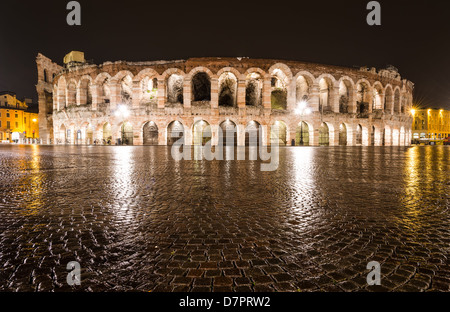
430, 125
18, 122
157, 102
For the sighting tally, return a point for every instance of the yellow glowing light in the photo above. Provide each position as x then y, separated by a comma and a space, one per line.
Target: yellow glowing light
413, 111
34, 120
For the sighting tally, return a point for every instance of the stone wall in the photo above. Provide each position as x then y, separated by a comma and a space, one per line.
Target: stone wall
338, 99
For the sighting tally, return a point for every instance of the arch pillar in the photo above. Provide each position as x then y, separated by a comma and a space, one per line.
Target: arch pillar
267, 100
370, 97
115, 96
136, 94
334, 98
162, 93
241, 93
138, 138
187, 93
95, 97
240, 135
352, 107
378, 137
291, 95
365, 136
188, 135
314, 99
214, 93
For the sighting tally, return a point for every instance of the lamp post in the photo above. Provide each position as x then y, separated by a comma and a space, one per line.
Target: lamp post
302, 110
123, 112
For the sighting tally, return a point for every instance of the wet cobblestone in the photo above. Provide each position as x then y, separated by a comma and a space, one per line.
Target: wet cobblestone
138, 221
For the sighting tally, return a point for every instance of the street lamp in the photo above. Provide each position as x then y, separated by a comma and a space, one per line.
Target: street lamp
302, 110
122, 111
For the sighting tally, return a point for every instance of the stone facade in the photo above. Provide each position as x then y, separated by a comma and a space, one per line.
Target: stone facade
146, 102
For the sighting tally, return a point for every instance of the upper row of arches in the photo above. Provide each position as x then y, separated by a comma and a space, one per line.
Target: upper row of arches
148, 86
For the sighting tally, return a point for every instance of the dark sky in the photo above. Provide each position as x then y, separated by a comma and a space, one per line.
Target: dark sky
414, 36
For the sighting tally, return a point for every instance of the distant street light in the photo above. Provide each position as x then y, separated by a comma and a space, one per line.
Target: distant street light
122, 111
302, 110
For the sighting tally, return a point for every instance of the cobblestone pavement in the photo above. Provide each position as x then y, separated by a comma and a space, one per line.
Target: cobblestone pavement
136, 220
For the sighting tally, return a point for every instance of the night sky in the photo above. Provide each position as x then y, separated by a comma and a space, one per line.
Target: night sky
414, 36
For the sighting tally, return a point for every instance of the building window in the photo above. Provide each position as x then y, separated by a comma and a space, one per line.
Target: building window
7, 115
17, 124
8, 125
17, 115
25, 119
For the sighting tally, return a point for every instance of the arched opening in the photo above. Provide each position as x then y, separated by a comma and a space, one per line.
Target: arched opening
61, 90
63, 134
71, 94
89, 134
252, 134
227, 89
388, 100
149, 90
45, 76
362, 98
402, 137
279, 90
201, 87
175, 133
107, 134
126, 134
358, 135
202, 133
377, 97
302, 134
344, 97
79, 137
324, 95
383, 138
278, 133
302, 89
85, 92
228, 133
253, 90
343, 135
324, 135
372, 136
104, 92
150, 133
126, 90
175, 89
397, 101
404, 101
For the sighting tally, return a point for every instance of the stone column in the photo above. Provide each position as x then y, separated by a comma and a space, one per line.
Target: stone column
370, 96
334, 98
267, 90
313, 102
291, 96
241, 94
95, 97
352, 107
136, 95
161, 93
214, 93
240, 135
187, 93
115, 96
214, 135
137, 136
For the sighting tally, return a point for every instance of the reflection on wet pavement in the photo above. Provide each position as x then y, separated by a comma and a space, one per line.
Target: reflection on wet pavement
137, 220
